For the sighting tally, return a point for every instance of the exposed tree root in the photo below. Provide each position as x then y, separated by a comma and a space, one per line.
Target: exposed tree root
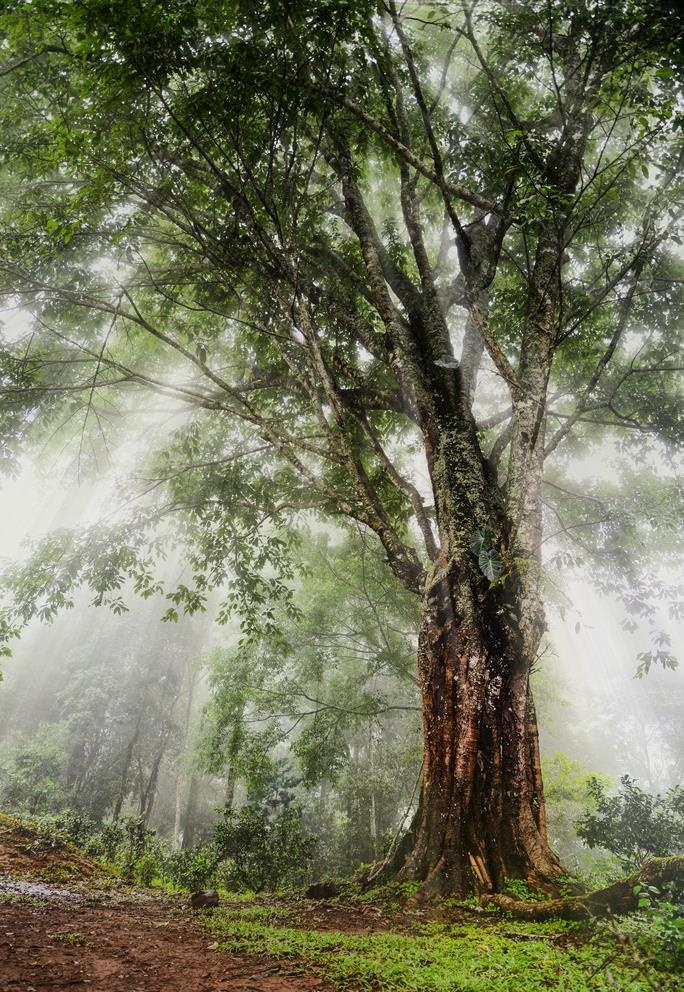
617, 898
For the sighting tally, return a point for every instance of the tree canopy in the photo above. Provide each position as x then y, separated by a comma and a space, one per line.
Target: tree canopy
248, 209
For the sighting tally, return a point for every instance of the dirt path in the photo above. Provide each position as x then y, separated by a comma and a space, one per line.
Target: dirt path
65, 926
142, 948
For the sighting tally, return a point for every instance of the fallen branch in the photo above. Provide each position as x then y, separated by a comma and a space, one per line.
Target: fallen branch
617, 898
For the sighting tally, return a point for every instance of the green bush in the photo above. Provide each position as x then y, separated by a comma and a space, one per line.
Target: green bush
67, 826
146, 868
262, 853
190, 868
125, 843
634, 825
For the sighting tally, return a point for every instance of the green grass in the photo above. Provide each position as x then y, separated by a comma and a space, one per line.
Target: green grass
73, 939
258, 913
16, 899
442, 958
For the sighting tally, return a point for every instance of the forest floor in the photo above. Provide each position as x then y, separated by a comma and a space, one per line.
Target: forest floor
66, 923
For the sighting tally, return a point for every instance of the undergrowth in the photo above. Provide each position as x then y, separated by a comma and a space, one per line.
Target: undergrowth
443, 958
492, 953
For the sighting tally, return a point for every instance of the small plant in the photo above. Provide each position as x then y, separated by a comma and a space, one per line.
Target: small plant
488, 558
71, 938
519, 889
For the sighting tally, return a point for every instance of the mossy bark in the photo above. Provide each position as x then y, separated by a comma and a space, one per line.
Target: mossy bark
618, 898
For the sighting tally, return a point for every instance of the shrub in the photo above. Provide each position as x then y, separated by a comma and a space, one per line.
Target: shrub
106, 843
77, 827
146, 868
634, 825
190, 868
263, 853
125, 843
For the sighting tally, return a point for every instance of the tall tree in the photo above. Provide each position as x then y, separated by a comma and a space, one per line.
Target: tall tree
346, 235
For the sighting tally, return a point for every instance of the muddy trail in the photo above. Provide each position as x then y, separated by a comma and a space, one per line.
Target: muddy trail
66, 924
139, 948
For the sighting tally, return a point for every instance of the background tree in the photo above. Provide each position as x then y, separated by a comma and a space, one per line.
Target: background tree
331, 705
342, 260
110, 719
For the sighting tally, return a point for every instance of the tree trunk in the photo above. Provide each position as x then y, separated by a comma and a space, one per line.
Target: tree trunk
128, 760
373, 812
481, 814
183, 759
178, 808
150, 793
190, 813
234, 745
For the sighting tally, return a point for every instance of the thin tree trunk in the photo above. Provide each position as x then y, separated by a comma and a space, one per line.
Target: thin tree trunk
182, 773
233, 752
178, 809
190, 813
150, 792
128, 760
373, 805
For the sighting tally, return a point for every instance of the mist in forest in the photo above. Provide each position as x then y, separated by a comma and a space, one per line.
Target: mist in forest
115, 712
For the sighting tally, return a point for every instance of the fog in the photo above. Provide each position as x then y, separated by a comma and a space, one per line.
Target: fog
592, 708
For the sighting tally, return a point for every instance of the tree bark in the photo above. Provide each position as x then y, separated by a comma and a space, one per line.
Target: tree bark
481, 814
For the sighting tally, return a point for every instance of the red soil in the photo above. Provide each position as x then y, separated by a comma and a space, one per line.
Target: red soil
141, 948
64, 926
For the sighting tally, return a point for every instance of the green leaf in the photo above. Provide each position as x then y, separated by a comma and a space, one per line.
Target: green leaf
481, 539
490, 563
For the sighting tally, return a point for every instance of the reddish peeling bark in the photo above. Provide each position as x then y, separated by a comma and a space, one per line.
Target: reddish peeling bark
481, 816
